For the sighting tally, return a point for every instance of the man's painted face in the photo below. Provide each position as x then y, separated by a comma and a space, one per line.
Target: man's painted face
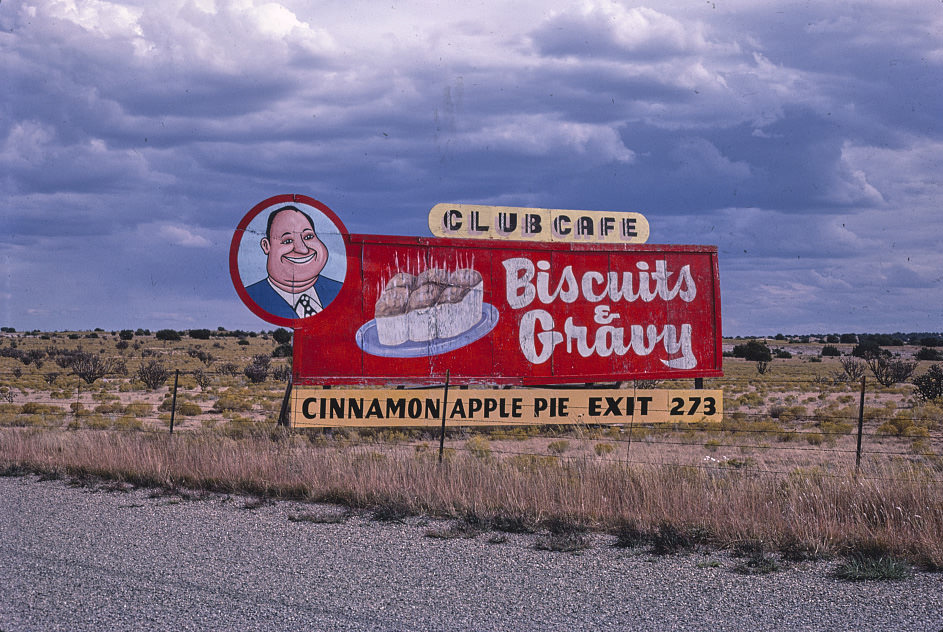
295, 254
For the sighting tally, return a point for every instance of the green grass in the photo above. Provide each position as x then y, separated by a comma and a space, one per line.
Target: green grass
862, 567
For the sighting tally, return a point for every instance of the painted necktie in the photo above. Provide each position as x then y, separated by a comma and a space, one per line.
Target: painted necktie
305, 302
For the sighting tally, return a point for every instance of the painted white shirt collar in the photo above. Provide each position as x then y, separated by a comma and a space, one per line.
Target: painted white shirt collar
292, 299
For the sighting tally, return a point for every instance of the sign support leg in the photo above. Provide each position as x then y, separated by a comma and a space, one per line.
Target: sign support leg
283, 413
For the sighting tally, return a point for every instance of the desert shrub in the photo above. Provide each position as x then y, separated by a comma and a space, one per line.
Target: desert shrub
603, 449
479, 447
929, 386
258, 370
118, 367
869, 348
153, 373
831, 350
23, 421
835, 427
89, 366
96, 422
787, 413
753, 351
282, 336
853, 367
200, 334
167, 335
903, 425
895, 427
282, 351
126, 334
189, 409
111, 408
203, 356
281, 373
138, 409
33, 356
558, 447
127, 422
227, 368
232, 403
35, 408
927, 353
793, 413
750, 400
889, 372
202, 379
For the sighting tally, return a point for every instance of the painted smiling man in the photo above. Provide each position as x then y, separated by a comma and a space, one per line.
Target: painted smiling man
294, 287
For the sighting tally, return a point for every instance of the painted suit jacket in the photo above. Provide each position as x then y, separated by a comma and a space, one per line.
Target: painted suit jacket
269, 300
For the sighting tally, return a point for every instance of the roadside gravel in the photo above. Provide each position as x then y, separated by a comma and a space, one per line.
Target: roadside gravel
80, 558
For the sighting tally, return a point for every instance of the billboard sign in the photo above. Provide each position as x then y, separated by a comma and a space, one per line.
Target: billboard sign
409, 310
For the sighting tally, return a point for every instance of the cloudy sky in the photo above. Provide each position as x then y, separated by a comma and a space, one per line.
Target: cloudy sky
803, 139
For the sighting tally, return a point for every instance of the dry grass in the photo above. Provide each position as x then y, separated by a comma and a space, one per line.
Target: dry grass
777, 471
898, 512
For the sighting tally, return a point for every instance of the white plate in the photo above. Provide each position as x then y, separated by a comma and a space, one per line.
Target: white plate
368, 341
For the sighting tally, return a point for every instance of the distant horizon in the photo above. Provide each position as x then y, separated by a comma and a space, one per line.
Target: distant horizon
270, 328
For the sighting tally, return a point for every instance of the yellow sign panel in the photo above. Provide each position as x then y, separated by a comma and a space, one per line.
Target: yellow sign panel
472, 221
315, 407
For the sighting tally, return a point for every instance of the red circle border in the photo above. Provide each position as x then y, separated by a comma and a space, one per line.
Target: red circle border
237, 282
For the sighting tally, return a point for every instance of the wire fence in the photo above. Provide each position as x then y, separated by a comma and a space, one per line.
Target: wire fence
771, 423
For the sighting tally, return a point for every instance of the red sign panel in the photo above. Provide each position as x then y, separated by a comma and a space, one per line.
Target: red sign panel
514, 313
407, 310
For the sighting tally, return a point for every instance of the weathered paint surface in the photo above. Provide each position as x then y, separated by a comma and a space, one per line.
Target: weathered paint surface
409, 310
473, 221
550, 313
315, 407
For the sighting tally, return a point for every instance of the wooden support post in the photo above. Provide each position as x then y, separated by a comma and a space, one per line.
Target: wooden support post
173, 403
445, 404
283, 413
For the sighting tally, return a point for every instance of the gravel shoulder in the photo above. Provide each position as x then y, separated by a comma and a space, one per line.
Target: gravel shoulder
82, 558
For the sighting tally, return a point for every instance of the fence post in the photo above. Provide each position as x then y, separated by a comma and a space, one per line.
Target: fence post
173, 402
860, 427
628, 449
445, 404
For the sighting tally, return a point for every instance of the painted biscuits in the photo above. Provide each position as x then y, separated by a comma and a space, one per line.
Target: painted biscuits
434, 304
